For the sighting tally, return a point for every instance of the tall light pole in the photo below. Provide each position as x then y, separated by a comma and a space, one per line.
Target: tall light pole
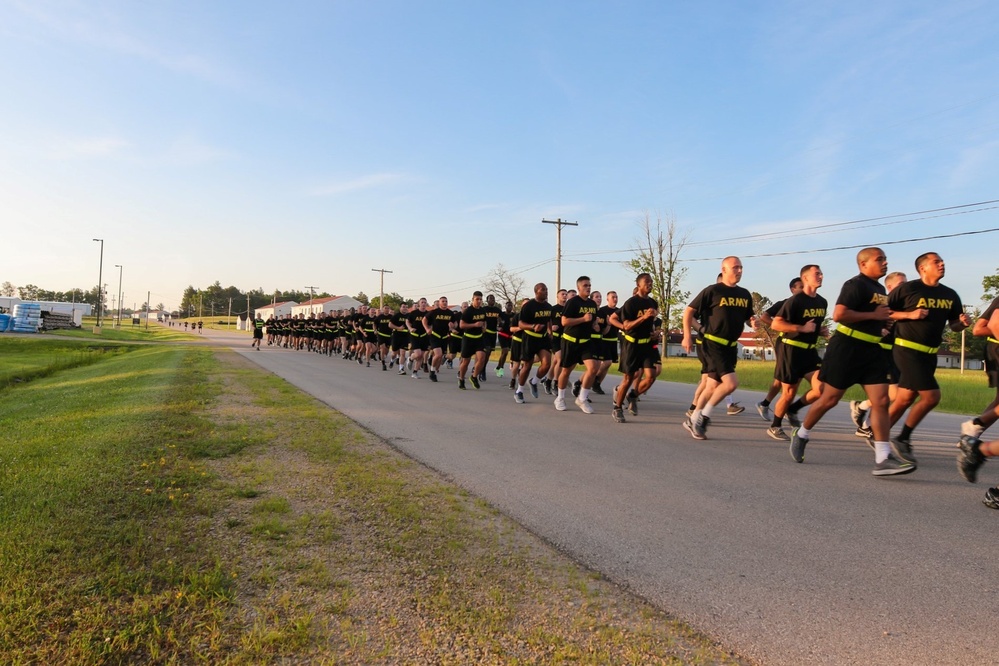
100, 281
559, 223
381, 286
121, 269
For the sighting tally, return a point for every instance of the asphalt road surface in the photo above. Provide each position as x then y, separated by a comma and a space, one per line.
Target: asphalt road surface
784, 563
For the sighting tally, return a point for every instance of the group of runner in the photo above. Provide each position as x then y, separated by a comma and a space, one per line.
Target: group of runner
886, 340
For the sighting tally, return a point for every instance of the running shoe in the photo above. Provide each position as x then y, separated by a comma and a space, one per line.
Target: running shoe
475, 381
597, 388
402, 371
778, 434
764, 411
482, 376
512, 383
433, 376
991, 498
584, 405
499, 372
969, 429
633, 402
735, 408
688, 425
797, 446
534, 390
970, 458
450, 364
689, 413
384, 367
902, 450
864, 432
548, 386
701, 427
892, 467
857, 415
618, 414
518, 398
576, 385
461, 384
560, 404
792, 418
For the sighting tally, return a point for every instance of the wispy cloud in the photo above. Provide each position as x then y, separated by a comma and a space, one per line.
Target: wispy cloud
82, 148
368, 182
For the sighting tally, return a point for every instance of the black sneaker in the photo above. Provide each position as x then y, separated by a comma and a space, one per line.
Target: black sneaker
970, 458
597, 389
991, 498
475, 381
433, 376
865, 432
548, 386
512, 383
797, 446
576, 385
618, 414
534, 389
633, 402
792, 418
461, 384
482, 376
701, 427
450, 364
893, 467
902, 450
384, 367
518, 397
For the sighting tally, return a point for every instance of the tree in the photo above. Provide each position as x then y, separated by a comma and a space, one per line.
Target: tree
392, 300
990, 283
7, 289
765, 336
362, 297
160, 307
657, 252
503, 284
28, 292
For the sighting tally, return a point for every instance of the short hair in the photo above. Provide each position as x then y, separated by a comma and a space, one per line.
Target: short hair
790, 285
895, 275
807, 267
582, 278
476, 293
612, 292
641, 276
866, 254
923, 258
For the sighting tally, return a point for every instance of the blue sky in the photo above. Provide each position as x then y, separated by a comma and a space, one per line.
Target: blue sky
281, 145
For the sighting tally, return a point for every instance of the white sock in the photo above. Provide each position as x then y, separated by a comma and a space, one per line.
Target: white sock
866, 404
728, 400
584, 393
561, 394
534, 381
881, 451
804, 432
706, 411
520, 387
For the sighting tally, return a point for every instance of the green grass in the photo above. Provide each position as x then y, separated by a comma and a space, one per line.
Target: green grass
23, 359
127, 333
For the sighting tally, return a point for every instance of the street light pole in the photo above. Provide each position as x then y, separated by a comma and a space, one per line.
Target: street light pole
121, 269
559, 223
100, 281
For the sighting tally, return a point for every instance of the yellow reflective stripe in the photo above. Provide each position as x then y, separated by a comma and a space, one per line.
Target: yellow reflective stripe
489, 330
572, 339
850, 333
639, 341
721, 341
471, 335
436, 334
915, 345
533, 334
796, 343
991, 339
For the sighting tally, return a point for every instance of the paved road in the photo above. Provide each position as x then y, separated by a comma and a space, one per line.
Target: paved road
819, 563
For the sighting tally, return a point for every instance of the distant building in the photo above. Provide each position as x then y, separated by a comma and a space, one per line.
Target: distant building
320, 306
276, 310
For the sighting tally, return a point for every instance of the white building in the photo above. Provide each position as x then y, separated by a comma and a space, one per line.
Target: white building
320, 306
276, 310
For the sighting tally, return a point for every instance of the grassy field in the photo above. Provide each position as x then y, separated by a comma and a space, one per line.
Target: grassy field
170, 505
23, 359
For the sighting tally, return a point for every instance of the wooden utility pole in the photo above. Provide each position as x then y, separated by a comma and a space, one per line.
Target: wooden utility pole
311, 289
559, 223
381, 286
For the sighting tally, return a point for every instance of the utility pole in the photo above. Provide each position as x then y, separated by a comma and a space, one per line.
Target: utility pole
310, 299
381, 286
228, 317
559, 223
100, 290
148, 294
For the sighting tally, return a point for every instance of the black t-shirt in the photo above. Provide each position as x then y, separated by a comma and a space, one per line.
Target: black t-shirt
775, 308
862, 294
455, 319
557, 318
725, 310
504, 322
576, 307
440, 320
944, 306
398, 319
536, 313
492, 317
989, 311
415, 320
603, 319
473, 315
382, 324
800, 309
634, 308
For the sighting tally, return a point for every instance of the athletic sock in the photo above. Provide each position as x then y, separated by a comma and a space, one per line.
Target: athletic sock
561, 393
706, 411
520, 387
796, 405
777, 422
865, 404
804, 432
881, 451
584, 393
765, 402
692, 407
534, 381
906, 433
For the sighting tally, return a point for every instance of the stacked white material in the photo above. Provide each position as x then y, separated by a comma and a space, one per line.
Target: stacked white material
27, 317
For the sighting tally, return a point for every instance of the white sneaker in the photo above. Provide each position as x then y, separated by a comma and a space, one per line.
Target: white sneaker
560, 404
584, 406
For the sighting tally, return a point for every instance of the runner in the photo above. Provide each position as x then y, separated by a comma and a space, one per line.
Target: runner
921, 309
535, 321
767, 316
493, 313
725, 308
419, 340
800, 323
556, 340
579, 323
473, 328
400, 337
855, 356
608, 339
504, 334
258, 331
636, 320
438, 323
987, 326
